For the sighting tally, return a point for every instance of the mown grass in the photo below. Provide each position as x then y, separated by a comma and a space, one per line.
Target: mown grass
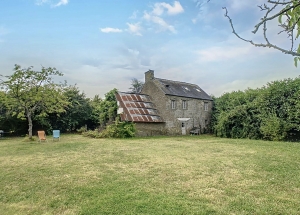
160, 175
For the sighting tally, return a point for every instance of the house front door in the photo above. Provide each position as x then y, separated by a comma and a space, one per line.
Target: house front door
183, 128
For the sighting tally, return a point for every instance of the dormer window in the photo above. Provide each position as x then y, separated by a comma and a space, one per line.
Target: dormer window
198, 90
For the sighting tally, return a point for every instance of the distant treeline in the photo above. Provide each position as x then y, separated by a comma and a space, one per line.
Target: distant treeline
271, 112
80, 113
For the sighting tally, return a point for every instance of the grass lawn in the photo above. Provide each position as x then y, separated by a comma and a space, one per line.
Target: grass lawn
160, 175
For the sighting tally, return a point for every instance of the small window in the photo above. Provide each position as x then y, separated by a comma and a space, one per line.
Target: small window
185, 88
173, 104
205, 106
184, 104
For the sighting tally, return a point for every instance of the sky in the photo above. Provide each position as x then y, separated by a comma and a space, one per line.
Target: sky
103, 44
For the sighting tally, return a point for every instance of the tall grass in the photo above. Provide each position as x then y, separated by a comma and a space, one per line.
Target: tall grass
162, 175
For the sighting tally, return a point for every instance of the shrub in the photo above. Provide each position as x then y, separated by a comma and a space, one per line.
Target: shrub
116, 130
94, 134
82, 129
119, 130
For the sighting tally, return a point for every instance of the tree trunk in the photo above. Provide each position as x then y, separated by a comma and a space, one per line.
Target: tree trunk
29, 126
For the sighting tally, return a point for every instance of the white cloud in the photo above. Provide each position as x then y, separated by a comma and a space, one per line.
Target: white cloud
160, 22
218, 53
171, 10
61, 2
135, 28
133, 52
159, 9
234, 52
239, 5
134, 15
40, 2
111, 30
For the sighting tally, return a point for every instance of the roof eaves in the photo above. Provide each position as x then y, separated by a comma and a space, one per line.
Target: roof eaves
192, 97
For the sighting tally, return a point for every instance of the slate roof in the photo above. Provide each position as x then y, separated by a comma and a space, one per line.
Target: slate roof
182, 89
136, 107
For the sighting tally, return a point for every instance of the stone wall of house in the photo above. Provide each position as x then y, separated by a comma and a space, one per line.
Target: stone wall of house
195, 108
199, 117
155, 93
150, 129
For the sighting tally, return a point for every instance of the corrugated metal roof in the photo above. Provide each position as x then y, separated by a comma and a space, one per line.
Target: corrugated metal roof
182, 89
137, 108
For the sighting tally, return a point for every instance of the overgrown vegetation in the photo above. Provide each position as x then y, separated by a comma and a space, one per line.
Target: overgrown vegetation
115, 130
271, 112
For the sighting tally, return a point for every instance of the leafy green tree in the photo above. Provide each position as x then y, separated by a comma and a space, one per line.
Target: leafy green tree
108, 108
77, 112
31, 93
271, 112
10, 123
95, 103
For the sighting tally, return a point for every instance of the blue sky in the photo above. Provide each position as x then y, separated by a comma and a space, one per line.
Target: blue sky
100, 45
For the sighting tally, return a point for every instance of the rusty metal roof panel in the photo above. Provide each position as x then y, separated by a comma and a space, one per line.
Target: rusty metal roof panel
137, 108
134, 97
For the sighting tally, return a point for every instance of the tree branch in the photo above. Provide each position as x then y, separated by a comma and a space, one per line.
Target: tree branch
267, 44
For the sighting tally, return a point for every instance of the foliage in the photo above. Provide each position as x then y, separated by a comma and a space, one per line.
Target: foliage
115, 130
77, 112
119, 130
92, 133
271, 112
108, 108
33, 93
94, 119
287, 12
8, 122
136, 85
82, 129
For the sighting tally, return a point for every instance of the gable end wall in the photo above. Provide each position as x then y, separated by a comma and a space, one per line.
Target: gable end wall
195, 109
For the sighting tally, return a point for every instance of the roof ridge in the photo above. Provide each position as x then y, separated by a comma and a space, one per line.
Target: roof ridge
181, 82
132, 93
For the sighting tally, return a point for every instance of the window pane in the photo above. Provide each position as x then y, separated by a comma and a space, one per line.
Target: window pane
205, 106
184, 106
173, 104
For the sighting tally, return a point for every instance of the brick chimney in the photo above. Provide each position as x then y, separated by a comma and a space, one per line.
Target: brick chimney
149, 75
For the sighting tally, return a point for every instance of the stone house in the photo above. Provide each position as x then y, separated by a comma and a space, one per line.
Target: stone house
166, 107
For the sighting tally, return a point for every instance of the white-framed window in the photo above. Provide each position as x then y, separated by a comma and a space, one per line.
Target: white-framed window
173, 104
205, 106
184, 104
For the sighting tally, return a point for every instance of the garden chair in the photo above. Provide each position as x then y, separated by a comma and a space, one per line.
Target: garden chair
42, 136
56, 135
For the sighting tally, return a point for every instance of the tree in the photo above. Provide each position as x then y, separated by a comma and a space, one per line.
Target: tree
287, 12
271, 112
108, 108
77, 112
31, 93
9, 123
136, 85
